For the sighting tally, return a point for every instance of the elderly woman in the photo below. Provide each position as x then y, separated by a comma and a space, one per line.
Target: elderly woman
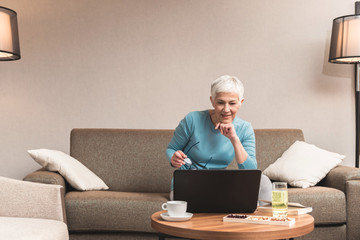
211, 139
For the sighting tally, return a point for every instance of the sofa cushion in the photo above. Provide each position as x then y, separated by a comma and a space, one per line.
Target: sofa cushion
32, 228
329, 204
112, 211
334, 232
78, 175
303, 165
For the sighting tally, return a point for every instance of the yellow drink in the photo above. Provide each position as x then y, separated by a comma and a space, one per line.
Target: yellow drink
279, 203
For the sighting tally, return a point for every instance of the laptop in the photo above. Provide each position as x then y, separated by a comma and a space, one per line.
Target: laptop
218, 191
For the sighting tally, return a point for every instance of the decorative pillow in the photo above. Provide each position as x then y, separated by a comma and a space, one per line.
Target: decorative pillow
78, 176
303, 165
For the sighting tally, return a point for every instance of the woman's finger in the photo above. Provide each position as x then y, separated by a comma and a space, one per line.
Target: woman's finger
221, 128
183, 155
177, 163
225, 129
178, 155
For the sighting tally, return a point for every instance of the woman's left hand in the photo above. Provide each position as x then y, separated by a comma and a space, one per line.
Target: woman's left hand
227, 129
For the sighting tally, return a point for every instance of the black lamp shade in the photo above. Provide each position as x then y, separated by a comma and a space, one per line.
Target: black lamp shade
9, 36
345, 40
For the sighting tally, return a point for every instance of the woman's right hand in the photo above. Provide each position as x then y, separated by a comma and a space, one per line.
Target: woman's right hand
177, 160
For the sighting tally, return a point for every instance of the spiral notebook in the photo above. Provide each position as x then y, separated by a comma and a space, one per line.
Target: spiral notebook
218, 191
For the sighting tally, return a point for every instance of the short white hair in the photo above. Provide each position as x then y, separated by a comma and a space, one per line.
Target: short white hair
228, 84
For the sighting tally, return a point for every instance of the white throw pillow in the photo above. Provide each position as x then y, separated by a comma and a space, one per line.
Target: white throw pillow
77, 175
303, 165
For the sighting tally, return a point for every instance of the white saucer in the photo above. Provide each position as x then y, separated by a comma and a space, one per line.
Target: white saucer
166, 217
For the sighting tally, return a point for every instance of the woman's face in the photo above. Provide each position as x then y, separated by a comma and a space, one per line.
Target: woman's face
226, 105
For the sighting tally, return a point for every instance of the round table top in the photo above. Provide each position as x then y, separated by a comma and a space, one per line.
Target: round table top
211, 226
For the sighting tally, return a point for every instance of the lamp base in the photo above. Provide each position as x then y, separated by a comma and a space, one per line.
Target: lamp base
357, 112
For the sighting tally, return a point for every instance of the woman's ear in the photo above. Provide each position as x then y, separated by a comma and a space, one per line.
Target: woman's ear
241, 102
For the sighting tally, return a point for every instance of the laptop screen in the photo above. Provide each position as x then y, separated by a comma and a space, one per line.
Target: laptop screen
218, 191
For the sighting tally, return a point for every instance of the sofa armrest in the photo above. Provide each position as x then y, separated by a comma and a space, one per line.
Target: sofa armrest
31, 200
347, 179
339, 176
44, 176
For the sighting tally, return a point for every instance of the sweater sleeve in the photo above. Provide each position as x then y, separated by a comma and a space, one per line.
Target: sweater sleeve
181, 137
248, 142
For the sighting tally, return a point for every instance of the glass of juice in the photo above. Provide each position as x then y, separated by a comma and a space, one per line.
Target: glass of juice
279, 199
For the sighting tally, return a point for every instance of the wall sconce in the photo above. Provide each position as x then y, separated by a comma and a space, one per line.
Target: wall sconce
345, 49
9, 36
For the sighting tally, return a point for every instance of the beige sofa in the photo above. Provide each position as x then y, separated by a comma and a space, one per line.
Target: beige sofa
134, 166
31, 211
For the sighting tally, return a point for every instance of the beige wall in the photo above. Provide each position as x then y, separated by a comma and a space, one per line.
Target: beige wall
146, 63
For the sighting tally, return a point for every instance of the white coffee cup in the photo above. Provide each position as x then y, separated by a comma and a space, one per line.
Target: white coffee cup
175, 208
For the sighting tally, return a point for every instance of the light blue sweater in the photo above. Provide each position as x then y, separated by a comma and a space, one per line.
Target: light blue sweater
208, 146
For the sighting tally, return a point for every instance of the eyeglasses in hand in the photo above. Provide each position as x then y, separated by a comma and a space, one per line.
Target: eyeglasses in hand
192, 164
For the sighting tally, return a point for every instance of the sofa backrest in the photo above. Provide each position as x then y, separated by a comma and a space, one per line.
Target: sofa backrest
272, 143
133, 160
126, 160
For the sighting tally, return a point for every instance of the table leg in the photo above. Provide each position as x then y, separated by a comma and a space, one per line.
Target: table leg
164, 236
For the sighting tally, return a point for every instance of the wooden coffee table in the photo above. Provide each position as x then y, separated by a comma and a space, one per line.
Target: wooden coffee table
210, 226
